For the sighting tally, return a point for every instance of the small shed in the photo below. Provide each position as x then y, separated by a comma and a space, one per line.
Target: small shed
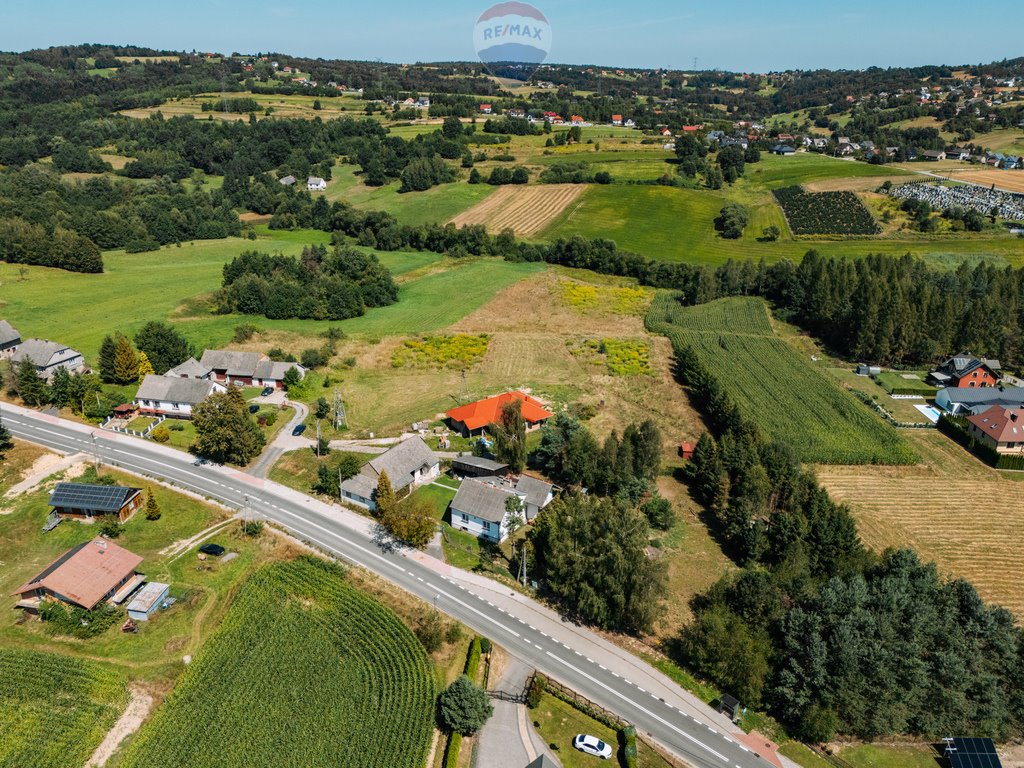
729, 705
125, 410
478, 466
686, 450
147, 600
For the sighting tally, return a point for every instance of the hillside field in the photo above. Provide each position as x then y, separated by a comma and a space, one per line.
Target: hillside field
525, 210
303, 669
776, 386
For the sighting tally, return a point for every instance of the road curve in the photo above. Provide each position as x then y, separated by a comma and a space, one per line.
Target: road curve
597, 669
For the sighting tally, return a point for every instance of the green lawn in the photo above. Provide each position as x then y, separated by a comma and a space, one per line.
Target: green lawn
886, 756
558, 725
438, 497
300, 469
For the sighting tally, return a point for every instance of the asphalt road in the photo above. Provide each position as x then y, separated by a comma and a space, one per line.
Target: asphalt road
588, 664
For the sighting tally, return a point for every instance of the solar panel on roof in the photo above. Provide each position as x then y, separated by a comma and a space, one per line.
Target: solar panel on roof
103, 498
972, 752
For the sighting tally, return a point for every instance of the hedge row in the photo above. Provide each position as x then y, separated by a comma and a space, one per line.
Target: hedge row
473, 659
451, 752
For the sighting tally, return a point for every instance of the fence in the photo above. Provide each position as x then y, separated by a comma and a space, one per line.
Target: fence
582, 703
828, 757
125, 431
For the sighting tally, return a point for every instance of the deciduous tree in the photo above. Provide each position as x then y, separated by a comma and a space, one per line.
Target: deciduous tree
225, 431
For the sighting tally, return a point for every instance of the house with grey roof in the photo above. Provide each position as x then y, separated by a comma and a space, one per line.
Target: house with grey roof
190, 369
481, 508
408, 464
970, 400
537, 494
288, 180
47, 356
249, 369
173, 396
9, 339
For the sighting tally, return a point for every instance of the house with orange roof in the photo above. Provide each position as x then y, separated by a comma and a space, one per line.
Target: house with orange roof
473, 418
84, 576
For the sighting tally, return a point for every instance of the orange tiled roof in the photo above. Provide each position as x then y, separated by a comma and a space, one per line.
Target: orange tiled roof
484, 412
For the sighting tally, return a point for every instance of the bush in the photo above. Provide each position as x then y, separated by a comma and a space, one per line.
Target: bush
77, 622
485, 645
177, 426
111, 527
659, 513
244, 332
464, 706
627, 736
270, 417
451, 753
252, 527
538, 685
430, 631
161, 434
473, 659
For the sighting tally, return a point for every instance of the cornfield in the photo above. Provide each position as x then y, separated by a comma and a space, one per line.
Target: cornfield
305, 670
775, 386
54, 710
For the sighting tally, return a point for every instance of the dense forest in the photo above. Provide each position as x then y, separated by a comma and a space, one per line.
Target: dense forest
318, 285
826, 634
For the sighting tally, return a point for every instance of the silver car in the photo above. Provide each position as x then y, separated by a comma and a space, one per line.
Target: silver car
591, 745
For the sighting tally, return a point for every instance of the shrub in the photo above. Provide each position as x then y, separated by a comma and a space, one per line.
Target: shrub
473, 659
538, 685
430, 631
485, 645
464, 706
252, 527
629, 751
77, 622
111, 527
177, 426
244, 332
161, 434
451, 753
270, 417
659, 513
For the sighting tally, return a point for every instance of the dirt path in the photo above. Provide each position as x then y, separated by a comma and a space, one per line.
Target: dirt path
139, 704
45, 466
178, 547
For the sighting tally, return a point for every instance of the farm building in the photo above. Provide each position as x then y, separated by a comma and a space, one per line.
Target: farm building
84, 576
250, 369
782, 149
686, 450
147, 601
316, 184
965, 370
479, 508
9, 339
82, 501
47, 356
408, 464
173, 397
288, 181
933, 155
473, 418
1001, 429
477, 466
863, 369
959, 400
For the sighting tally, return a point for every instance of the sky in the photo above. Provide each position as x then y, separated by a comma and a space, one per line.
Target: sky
737, 35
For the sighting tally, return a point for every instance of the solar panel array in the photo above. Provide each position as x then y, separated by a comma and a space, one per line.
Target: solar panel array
102, 498
973, 753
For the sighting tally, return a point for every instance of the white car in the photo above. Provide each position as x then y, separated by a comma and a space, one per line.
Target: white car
591, 745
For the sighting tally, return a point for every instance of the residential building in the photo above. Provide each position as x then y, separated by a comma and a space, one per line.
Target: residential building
173, 396
480, 508
9, 339
537, 494
616, 119
782, 149
190, 369
84, 501
966, 370
47, 356
409, 464
473, 418
486, 109
316, 184
961, 400
1001, 429
84, 576
147, 601
933, 155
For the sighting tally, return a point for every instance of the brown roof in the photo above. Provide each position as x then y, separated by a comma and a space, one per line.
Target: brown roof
84, 574
1004, 425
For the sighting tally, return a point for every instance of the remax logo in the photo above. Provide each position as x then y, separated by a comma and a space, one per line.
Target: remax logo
512, 32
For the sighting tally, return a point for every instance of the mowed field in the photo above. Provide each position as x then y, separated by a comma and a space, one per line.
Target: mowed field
525, 210
1011, 181
303, 669
951, 508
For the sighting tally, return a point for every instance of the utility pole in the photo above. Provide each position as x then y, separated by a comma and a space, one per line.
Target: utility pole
340, 419
95, 453
522, 566
318, 438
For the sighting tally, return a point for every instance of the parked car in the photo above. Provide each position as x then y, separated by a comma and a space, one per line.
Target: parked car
591, 745
298, 430
199, 462
214, 550
267, 391
253, 408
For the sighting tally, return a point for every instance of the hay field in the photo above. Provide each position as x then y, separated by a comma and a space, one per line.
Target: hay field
951, 508
524, 210
1011, 181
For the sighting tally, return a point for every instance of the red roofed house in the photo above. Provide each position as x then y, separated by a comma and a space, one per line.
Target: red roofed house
84, 576
473, 418
692, 128
686, 450
576, 120
616, 119
485, 108
999, 428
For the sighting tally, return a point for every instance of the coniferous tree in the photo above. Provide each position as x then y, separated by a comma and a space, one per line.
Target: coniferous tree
6, 441
31, 386
108, 350
384, 496
145, 368
126, 361
153, 511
